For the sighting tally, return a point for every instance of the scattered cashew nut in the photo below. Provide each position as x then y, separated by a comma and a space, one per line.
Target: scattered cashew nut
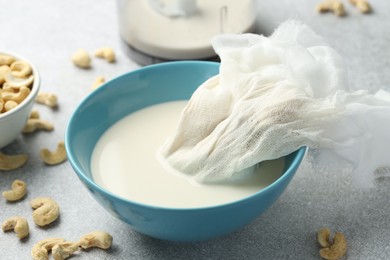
106, 53
34, 114
11, 162
362, 5
40, 251
56, 157
34, 124
334, 250
323, 237
21, 69
46, 210
99, 81
81, 59
48, 99
64, 250
17, 192
98, 239
334, 6
18, 224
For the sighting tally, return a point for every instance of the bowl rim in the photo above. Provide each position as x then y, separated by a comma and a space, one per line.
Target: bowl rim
34, 89
300, 153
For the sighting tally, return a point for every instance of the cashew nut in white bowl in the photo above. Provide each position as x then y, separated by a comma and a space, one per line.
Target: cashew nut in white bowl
18, 224
106, 53
17, 192
17, 97
12, 162
81, 59
8, 88
16, 82
56, 157
21, 69
46, 210
98, 239
9, 105
48, 99
4, 70
13, 121
6, 59
40, 250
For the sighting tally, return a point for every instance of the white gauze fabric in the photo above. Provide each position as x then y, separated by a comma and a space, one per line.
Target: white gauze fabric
272, 96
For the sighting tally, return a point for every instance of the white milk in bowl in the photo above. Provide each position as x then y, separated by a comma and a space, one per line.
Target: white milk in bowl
125, 162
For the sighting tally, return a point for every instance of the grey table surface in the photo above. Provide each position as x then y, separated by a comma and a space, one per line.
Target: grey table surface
49, 31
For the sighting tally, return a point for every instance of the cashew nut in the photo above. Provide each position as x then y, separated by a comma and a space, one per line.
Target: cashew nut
334, 6
17, 97
21, 69
337, 250
6, 59
106, 53
4, 70
46, 210
56, 157
34, 114
362, 5
8, 88
9, 105
47, 99
18, 224
323, 237
40, 251
16, 82
99, 81
98, 239
17, 192
34, 124
64, 250
11, 162
81, 59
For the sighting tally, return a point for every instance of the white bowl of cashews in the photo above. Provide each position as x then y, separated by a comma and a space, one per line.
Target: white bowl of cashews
19, 86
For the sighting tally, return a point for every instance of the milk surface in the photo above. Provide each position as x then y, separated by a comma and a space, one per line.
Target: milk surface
125, 162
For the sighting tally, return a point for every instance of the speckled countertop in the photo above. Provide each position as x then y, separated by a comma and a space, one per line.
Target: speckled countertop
49, 31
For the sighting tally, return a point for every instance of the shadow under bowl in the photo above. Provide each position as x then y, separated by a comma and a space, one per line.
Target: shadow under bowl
142, 88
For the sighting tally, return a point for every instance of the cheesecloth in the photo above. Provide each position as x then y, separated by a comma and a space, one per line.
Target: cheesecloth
272, 96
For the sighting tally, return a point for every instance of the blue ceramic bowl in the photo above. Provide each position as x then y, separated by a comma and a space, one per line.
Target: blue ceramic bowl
138, 89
